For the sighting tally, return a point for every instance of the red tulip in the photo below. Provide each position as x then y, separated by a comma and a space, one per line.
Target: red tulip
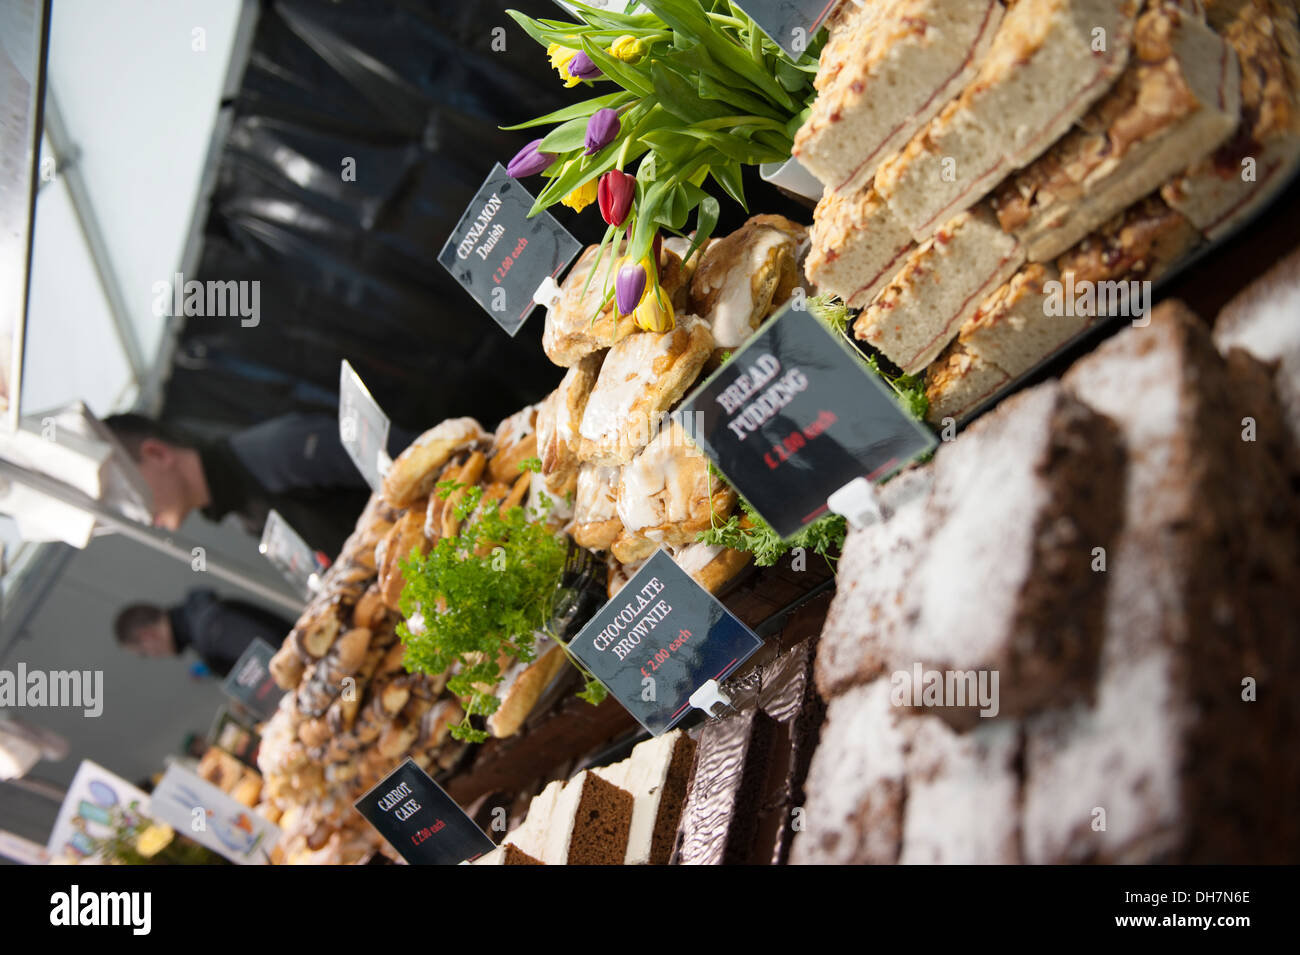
615, 194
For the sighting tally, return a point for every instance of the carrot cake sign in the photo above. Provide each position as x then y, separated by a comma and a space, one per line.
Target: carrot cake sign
420, 820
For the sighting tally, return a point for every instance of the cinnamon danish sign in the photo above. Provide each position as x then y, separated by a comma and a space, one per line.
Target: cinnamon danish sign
503, 258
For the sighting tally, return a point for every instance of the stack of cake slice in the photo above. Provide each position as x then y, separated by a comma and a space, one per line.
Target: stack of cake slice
940, 285
1177, 101
655, 774
1044, 306
1223, 189
888, 69
624, 814
585, 821
1050, 61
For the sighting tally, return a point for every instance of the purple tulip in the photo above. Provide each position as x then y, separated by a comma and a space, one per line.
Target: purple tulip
629, 286
529, 161
582, 67
601, 130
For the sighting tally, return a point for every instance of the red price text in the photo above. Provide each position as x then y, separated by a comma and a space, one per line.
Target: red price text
509, 261
664, 654
796, 441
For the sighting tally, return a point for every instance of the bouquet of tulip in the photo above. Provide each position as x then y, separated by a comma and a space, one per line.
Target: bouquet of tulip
700, 92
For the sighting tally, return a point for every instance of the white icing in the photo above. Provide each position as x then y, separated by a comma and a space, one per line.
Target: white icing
679, 245
561, 509
643, 774
565, 425
532, 834
733, 311
453, 429
517, 427
695, 557
627, 374
596, 500
661, 483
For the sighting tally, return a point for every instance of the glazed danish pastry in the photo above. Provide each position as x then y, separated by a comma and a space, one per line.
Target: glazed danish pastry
558, 422
667, 496
743, 277
642, 377
595, 508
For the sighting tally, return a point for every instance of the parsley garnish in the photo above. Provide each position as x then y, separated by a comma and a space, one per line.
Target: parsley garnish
484, 594
753, 534
909, 388
831, 311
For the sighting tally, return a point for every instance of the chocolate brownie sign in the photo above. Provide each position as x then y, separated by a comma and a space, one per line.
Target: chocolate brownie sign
795, 415
660, 639
790, 23
420, 820
502, 257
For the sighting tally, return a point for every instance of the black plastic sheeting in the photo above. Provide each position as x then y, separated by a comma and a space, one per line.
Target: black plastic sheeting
413, 92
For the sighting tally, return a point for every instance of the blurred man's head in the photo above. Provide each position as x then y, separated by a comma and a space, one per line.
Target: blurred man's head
146, 630
170, 467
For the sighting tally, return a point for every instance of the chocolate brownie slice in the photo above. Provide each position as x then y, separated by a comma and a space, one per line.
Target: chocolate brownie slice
980, 579
750, 767
1185, 754
601, 820
856, 790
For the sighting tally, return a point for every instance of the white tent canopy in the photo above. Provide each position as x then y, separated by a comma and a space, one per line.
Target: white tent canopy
132, 128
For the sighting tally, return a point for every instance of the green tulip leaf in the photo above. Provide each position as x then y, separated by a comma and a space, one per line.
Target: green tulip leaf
790, 76
566, 137
711, 88
631, 78
686, 16
578, 110
728, 176
706, 219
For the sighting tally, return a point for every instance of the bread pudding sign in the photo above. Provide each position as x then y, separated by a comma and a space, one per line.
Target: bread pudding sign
659, 641
504, 259
420, 820
795, 415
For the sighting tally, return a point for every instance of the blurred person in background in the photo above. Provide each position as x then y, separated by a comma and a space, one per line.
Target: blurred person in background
295, 464
218, 629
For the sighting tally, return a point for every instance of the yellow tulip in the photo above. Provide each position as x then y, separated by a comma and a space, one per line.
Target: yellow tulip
583, 196
154, 839
629, 49
561, 57
655, 313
